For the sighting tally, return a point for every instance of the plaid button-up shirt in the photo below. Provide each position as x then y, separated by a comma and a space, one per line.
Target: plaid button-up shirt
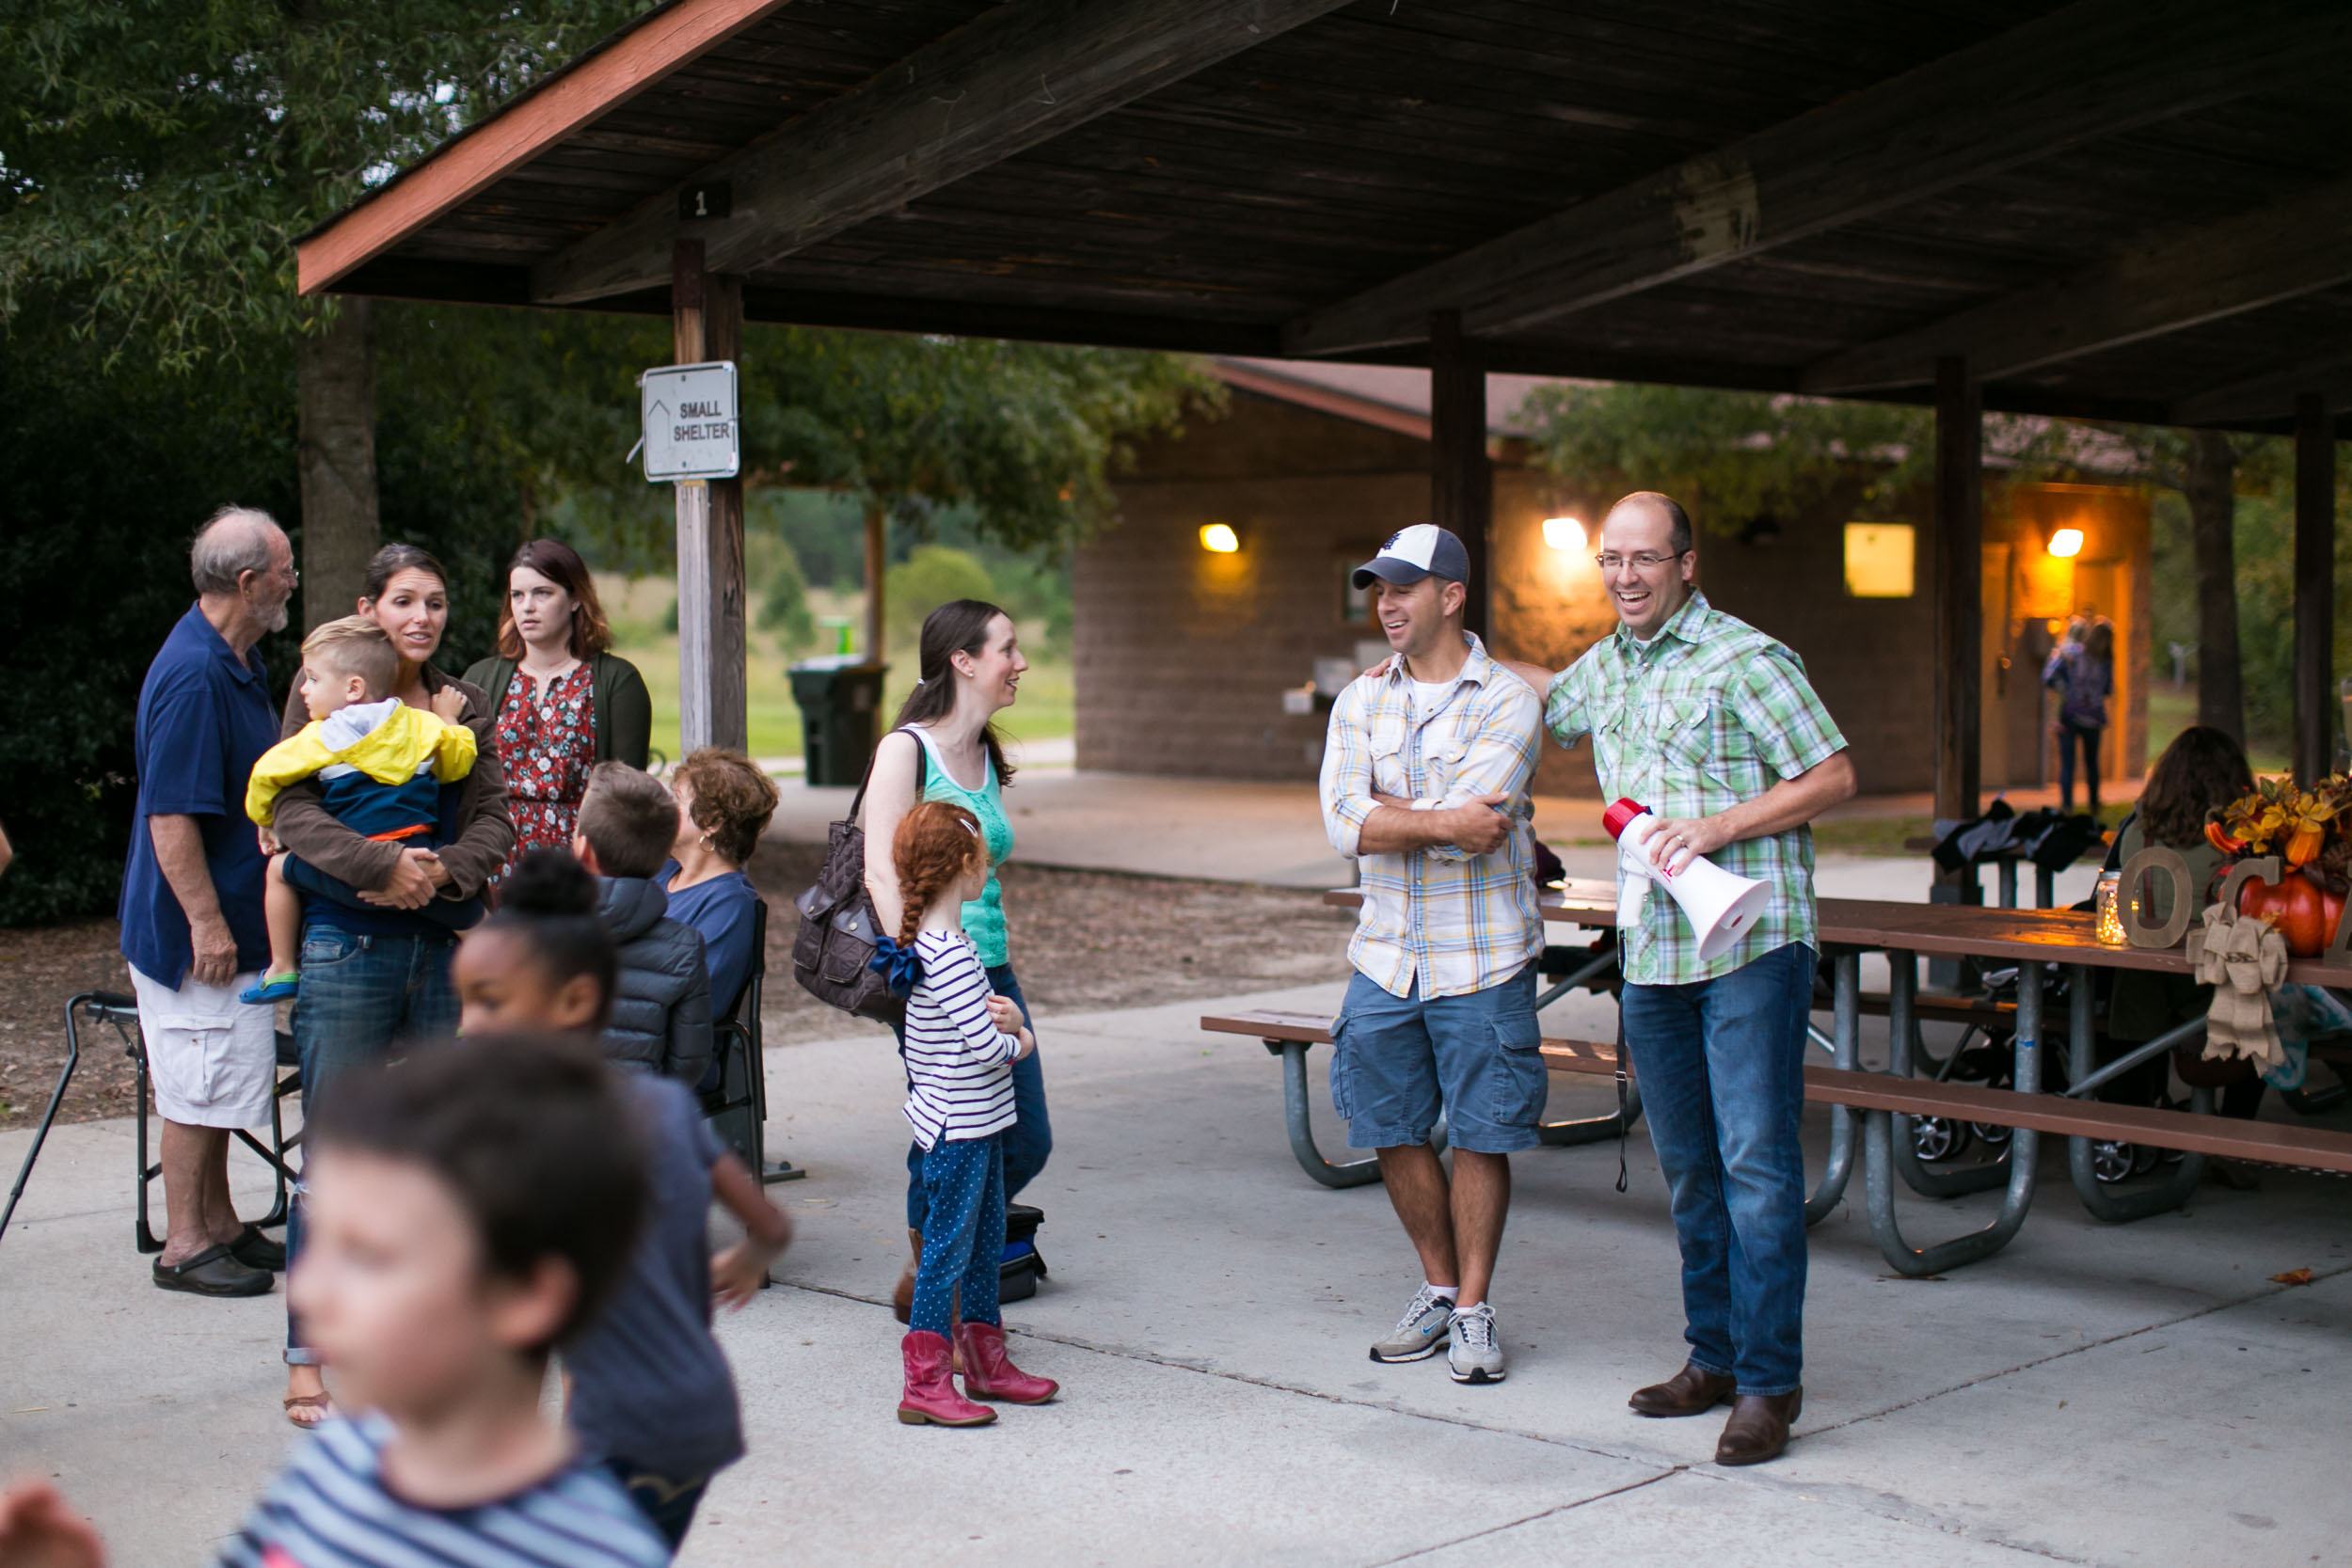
1457, 922
1707, 713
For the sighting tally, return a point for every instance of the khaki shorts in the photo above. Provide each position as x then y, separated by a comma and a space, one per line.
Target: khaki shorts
213, 1058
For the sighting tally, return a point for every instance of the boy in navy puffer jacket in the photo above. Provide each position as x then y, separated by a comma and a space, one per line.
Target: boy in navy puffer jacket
661, 1018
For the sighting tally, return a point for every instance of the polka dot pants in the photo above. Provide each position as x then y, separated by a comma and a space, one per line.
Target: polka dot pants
963, 1183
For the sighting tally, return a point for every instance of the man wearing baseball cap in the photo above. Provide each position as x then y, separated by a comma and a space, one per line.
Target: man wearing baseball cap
1713, 727
1424, 785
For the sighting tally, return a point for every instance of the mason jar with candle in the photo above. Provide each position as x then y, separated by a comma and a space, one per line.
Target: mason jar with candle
2107, 908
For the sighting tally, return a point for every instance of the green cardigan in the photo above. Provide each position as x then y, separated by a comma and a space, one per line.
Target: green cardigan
619, 704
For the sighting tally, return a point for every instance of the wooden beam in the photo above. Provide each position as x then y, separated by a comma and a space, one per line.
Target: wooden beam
2089, 71
2314, 589
2242, 264
1958, 588
2259, 399
730, 597
1012, 78
622, 68
1461, 479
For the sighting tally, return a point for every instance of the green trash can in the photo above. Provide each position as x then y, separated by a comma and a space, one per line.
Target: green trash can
840, 703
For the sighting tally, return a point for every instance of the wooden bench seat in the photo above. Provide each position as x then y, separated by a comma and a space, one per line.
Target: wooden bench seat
2262, 1142
1598, 1057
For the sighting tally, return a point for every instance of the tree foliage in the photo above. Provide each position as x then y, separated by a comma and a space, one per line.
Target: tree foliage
159, 157
1731, 458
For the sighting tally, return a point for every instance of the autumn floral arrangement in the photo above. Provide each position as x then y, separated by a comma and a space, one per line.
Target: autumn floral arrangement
2307, 831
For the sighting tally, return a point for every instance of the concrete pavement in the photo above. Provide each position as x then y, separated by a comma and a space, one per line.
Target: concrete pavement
2111, 1395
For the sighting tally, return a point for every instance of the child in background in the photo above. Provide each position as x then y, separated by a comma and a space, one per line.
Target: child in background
380, 766
660, 1003
469, 1208
651, 1394
961, 1040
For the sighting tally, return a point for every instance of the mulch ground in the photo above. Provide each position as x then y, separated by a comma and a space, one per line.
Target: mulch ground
1081, 940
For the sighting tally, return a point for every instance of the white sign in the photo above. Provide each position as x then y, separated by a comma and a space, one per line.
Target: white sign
690, 428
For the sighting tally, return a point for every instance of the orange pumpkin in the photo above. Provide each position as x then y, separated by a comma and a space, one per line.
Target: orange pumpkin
2298, 907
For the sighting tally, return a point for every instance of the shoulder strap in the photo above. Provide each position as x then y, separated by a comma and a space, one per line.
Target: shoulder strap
858, 801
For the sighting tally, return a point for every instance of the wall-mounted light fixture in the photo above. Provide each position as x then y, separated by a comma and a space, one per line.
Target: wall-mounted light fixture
2066, 542
1219, 538
1564, 534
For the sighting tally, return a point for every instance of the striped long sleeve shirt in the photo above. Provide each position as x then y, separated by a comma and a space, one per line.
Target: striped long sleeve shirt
958, 1066
331, 1509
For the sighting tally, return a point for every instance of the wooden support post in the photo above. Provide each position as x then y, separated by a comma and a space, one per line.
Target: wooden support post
1461, 481
877, 563
1958, 585
2314, 588
706, 319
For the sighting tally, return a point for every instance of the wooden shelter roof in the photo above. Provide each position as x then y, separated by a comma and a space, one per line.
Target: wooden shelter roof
2132, 209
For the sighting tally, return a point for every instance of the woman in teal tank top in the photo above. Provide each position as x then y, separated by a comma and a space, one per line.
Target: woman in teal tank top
945, 748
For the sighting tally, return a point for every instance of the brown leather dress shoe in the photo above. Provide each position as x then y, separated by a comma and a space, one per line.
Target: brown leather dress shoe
1688, 1392
1758, 1428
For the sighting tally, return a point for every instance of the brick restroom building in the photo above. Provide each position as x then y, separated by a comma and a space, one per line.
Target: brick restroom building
1196, 661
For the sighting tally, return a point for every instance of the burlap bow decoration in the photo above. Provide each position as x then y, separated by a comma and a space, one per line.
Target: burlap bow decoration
2242, 958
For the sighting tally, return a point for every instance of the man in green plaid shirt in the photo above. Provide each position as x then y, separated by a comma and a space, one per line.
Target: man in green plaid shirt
1713, 726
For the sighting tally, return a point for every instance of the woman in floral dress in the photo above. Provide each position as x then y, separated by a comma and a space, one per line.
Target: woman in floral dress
562, 702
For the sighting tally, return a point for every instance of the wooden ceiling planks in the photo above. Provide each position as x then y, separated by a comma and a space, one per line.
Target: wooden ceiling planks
1381, 138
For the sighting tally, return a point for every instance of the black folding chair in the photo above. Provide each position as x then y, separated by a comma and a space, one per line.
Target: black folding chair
122, 1012
737, 1105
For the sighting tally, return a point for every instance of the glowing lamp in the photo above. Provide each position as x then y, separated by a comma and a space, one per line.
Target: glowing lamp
2066, 542
1564, 534
1219, 538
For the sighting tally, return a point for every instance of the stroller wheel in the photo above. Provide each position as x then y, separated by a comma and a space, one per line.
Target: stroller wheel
1994, 1137
1938, 1137
2114, 1162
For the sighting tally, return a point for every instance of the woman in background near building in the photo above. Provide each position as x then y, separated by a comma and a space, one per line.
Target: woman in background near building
562, 702
2082, 671
946, 748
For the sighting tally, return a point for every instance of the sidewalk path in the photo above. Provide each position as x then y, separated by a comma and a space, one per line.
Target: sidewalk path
2135, 1395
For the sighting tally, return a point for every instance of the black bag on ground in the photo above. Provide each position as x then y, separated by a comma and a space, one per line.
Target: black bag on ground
832, 952
1023, 1266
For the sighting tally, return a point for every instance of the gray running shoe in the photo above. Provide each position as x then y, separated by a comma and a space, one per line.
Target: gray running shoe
1475, 1356
1421, 1333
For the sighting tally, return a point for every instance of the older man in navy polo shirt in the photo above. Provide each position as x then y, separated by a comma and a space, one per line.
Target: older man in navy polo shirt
191, 924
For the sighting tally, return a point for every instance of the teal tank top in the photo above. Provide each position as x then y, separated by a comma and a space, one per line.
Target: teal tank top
984, 917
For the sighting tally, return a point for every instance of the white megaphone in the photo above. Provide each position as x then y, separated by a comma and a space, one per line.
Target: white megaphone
1720, 905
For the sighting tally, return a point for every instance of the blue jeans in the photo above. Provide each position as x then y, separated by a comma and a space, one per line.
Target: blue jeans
2088, 737
1722, 1067
361, 996
963, 1246
1028, 1145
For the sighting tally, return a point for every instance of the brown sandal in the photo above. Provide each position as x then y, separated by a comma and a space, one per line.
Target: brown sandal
317, 1407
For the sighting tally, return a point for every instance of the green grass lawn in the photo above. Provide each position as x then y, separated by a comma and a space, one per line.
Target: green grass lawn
636, 608
2173, 709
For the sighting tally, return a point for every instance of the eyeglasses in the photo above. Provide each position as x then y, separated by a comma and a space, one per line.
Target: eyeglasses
1609, 560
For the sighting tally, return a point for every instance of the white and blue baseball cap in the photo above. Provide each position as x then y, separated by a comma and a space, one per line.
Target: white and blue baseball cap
1424, 551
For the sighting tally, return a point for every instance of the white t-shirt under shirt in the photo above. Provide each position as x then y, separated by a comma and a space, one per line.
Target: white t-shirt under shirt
1427, 697
958, 1064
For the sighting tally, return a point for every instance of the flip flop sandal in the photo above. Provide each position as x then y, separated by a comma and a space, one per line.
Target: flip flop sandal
323, 1404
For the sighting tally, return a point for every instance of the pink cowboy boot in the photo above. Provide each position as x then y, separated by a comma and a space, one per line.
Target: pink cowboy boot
930, 1392
989, 1372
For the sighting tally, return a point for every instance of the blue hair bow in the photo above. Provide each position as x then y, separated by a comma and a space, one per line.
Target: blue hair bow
899, 966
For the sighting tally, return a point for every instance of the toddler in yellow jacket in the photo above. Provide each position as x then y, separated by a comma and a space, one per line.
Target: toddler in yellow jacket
380, 766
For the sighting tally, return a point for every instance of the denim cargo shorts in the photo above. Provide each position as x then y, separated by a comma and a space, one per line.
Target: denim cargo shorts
1398, 1061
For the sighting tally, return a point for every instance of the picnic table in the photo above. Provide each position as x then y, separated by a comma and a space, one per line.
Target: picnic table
1881, 1105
